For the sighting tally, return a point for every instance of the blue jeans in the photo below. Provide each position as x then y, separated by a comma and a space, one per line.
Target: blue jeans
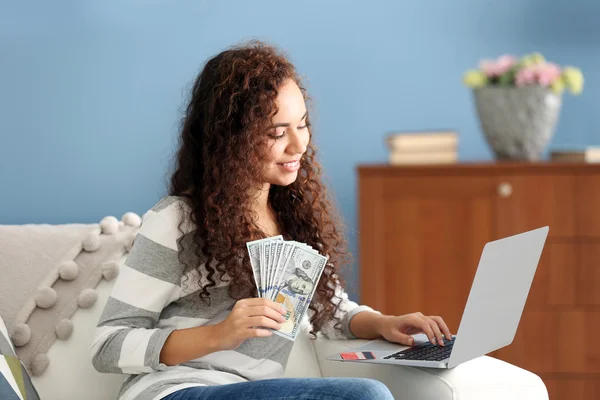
290, 388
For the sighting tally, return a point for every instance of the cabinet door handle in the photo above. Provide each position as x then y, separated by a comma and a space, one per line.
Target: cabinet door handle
505, 189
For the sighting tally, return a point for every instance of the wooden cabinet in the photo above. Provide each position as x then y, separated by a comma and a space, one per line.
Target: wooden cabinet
422, 230
527, 201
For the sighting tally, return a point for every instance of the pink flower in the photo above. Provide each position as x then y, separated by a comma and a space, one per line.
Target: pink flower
548, 73
495, 68
544, 74
525, 76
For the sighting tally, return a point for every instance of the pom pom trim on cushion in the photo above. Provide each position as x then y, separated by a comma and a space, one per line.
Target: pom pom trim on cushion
87, 298
64, 329
123, 234
132, 219
109, 225
110, 270
68, 270
21, 335
128, 241
45, 297
91, 242
39, 364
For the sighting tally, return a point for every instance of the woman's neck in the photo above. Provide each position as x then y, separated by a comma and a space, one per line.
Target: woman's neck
261, 203
266, 218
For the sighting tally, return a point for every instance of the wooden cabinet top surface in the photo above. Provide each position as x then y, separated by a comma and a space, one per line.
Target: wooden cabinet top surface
474, 168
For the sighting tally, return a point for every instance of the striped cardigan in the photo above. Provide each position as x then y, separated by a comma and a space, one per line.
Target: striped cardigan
152, 297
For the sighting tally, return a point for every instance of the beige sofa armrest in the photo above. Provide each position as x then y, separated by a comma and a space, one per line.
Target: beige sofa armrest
482, 378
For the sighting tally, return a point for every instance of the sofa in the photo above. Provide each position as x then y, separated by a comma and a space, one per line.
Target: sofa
57, 352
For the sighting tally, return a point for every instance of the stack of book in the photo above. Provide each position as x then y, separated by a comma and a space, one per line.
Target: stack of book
588, 154
424, 147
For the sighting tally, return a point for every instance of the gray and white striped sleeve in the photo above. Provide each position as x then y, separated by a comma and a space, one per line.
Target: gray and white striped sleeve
347, 309
126, 338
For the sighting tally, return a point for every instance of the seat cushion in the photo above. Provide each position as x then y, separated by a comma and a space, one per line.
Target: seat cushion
481, 378
303, 362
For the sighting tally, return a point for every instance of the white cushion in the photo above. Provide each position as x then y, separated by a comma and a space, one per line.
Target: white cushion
483, 378
303, 360
70, 374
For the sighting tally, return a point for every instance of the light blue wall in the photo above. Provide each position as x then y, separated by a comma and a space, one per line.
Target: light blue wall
91, 92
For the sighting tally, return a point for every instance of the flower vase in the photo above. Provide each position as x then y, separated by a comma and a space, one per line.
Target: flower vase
518, 122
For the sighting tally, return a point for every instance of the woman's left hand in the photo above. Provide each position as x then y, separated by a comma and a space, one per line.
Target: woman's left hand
399, 329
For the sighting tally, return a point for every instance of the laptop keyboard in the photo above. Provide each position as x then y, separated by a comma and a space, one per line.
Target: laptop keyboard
425, 352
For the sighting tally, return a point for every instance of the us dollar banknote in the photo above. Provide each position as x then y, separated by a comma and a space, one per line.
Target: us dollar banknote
255, 251
296, 285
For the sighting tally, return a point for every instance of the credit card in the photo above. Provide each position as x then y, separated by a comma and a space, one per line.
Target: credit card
359, 355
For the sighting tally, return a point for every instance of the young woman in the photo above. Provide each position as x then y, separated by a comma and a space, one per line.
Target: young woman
184, 320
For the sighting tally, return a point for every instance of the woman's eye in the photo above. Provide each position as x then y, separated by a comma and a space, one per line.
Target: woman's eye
304, 126
277, 136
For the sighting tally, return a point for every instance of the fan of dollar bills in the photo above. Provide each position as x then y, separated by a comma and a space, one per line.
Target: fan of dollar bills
286, 272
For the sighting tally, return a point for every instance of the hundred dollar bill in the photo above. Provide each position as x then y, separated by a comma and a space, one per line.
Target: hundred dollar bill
276, 248
296, 287
286, 250
272, 263
254, 250
264, 265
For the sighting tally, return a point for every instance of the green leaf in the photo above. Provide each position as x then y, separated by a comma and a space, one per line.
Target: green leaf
508, 78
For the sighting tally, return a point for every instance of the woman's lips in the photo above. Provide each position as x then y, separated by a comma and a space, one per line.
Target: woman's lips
290, 166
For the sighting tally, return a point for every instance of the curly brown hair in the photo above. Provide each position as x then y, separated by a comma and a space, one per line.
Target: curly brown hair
218, 165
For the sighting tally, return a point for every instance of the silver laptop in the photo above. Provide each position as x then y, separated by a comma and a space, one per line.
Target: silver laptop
490, 318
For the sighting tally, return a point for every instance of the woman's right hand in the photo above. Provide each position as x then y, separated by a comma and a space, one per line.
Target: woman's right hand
247, 319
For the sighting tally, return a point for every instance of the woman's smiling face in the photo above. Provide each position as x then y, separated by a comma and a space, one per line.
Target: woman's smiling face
288, 136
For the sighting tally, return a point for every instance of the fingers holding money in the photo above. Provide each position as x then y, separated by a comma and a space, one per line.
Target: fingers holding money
260, 313
274, 314
260, 302
259, 322
287, 272
250, 318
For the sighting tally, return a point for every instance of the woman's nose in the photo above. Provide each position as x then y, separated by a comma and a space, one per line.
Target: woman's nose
297, 143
